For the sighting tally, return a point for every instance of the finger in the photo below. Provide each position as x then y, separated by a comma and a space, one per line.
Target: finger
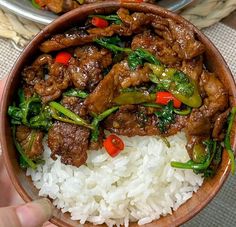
32, 214
48, 224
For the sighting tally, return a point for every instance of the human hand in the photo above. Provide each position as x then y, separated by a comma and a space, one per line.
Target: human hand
32, 214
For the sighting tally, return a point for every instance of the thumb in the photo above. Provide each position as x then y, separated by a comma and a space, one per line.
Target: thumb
32, 214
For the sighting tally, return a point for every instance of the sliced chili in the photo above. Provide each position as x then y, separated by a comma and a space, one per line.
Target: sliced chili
163, 97
63, 57
99, 22
113, 145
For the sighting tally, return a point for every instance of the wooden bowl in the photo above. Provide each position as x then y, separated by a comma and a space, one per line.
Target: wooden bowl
213, 61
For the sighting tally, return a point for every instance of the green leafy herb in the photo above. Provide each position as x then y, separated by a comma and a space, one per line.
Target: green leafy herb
135, 58
15, 114
227, 139
166, 116
43, 120
139, 56
182, 84
29, 112
98, 119
113, 18
209, 165
76, 93
111, 43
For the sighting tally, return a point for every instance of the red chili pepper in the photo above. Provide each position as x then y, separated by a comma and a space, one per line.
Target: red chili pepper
163, 97
63, 57
99, 22
113, 145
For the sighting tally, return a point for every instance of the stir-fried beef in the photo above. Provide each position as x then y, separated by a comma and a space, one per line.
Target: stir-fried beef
193, 68
75, 104
73, 37
47, 78
217, 95
120, 76
88, 68
70, 142
134, 58
58, 80
202, 120
157, 46
135, 22
30, 140
133, 120
220, 121
35, 73
185, 43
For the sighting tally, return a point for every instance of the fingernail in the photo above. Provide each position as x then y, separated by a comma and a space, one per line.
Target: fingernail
35, 213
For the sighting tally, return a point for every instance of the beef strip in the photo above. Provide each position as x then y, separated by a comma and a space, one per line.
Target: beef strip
86, 72
193, 68
69, 141
185, 42
45, 77
30, 140
52, 87
73, 37
220, 121
35, 73
132, 120
202, 120
120, 76
157, 46
217, 95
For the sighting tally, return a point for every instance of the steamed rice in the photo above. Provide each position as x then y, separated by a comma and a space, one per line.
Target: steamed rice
137, 185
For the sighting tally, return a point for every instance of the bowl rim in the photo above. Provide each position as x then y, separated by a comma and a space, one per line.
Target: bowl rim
47, 31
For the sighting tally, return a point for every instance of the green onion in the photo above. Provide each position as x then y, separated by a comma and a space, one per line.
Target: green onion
183, 112
97, 119
154, 105
76, 119
227, 139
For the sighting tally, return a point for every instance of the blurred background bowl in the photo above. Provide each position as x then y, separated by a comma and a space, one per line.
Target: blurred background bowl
24, 8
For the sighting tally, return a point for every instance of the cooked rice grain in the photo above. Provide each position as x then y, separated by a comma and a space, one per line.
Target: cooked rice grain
137, 185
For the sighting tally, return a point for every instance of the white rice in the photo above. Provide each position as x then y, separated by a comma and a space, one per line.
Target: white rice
137, 185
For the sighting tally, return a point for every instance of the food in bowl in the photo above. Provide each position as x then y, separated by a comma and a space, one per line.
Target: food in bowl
63, 6
116, 107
